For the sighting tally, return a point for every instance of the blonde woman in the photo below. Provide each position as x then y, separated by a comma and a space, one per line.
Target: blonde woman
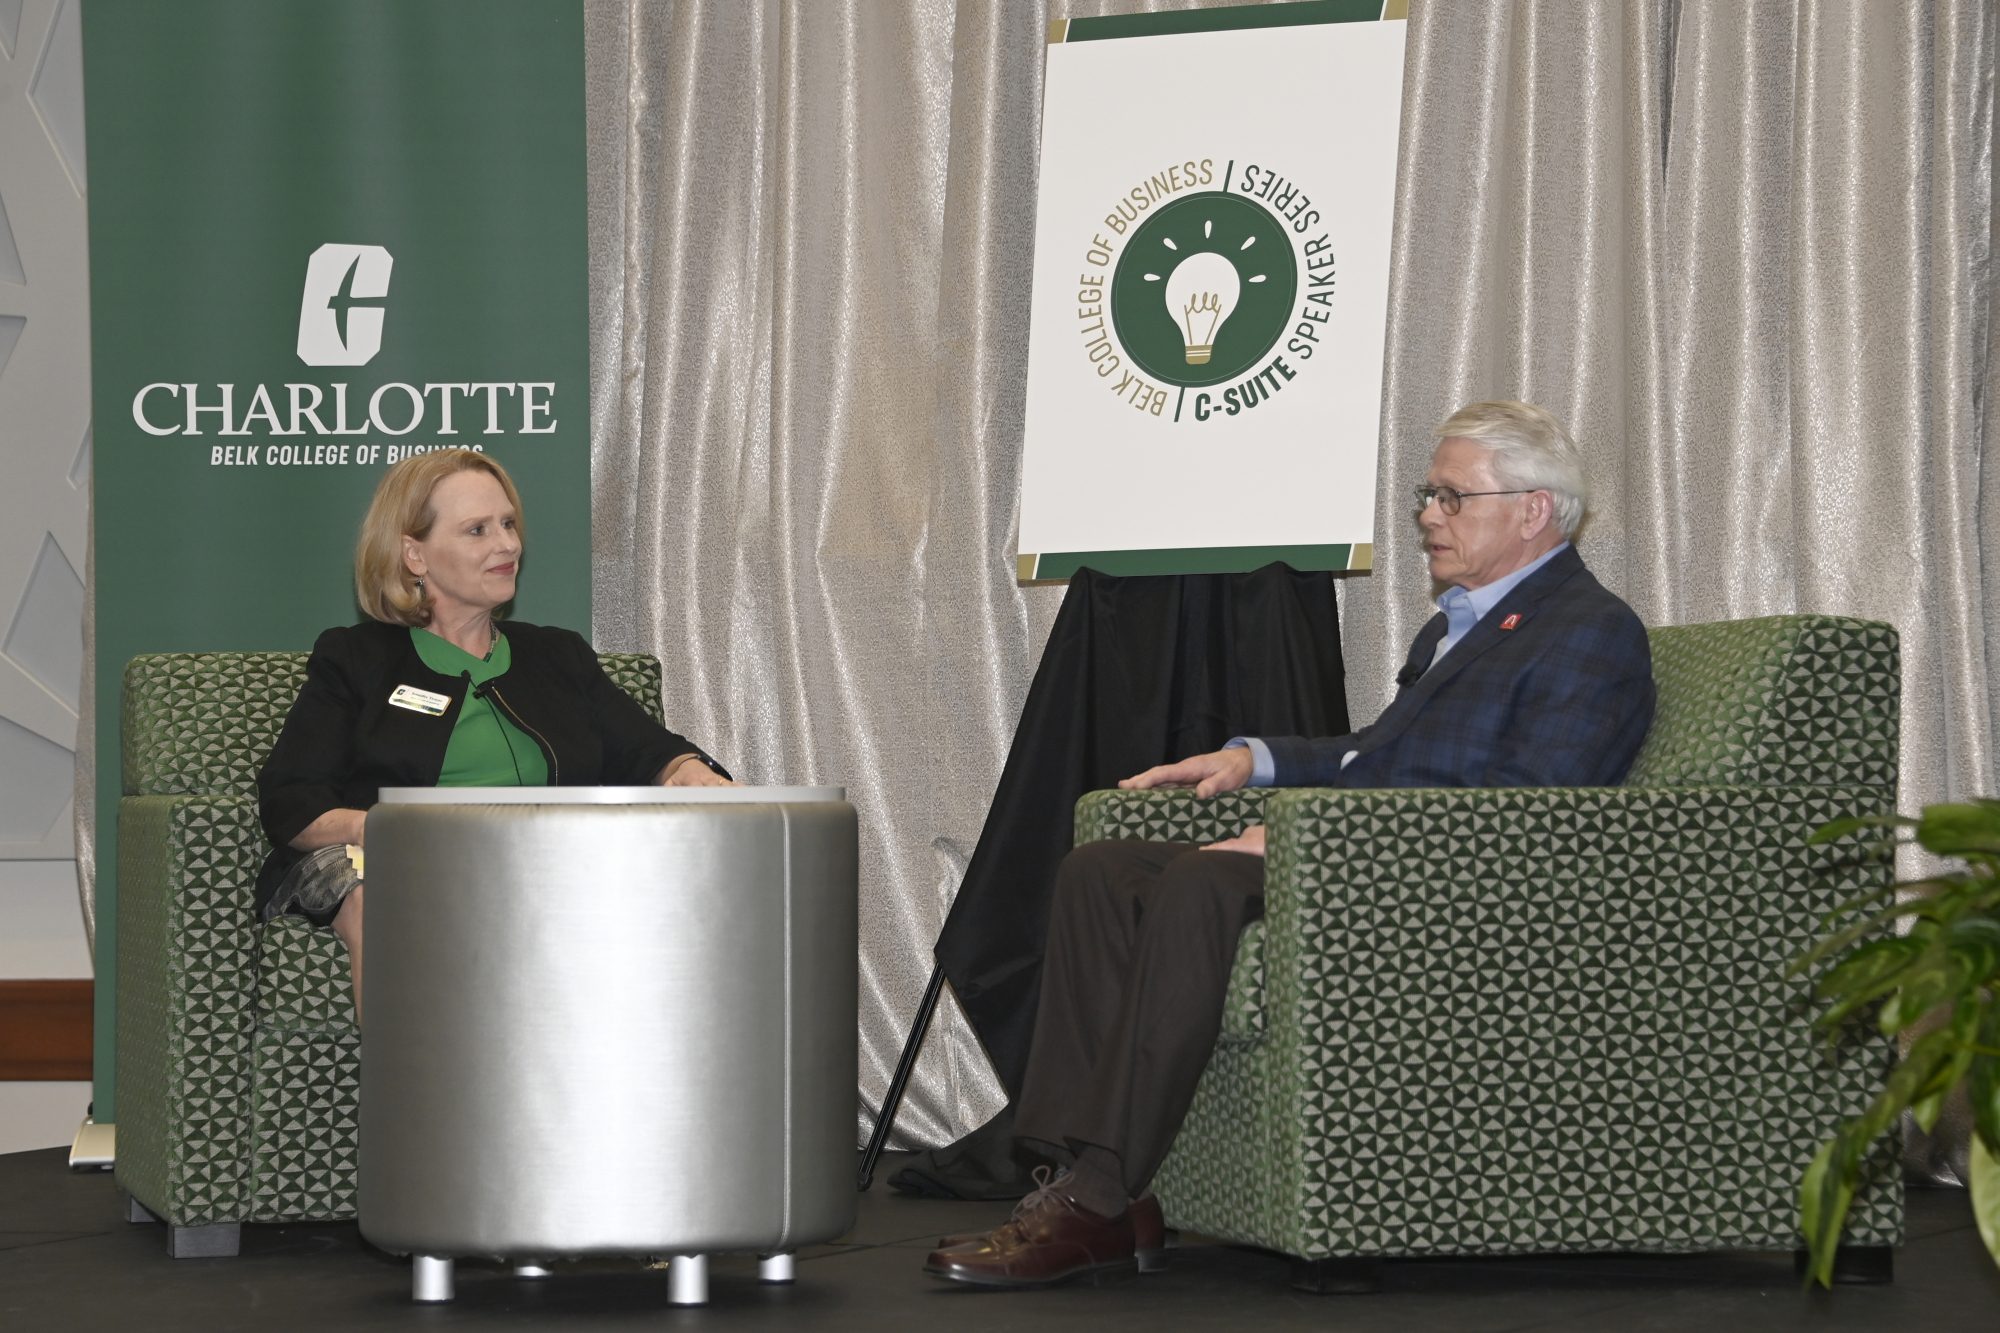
435, 689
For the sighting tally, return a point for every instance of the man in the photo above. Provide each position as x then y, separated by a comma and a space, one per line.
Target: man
1531, 675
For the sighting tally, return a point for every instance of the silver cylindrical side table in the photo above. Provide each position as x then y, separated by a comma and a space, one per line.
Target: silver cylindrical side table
608, 1021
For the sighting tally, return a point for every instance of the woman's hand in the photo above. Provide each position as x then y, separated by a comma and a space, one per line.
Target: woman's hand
691, 772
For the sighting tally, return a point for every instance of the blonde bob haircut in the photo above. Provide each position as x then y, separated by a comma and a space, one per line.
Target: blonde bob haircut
383, 584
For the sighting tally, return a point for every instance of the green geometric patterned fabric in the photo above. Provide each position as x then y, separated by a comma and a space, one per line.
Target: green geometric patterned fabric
205, 722
187, 1004
1781, 700
304, 983
638, 674
305, 1124
1545, 1020
1243, 1010
238, 1056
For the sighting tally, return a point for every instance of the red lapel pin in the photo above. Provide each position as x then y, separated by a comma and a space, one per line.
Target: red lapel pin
1511, 621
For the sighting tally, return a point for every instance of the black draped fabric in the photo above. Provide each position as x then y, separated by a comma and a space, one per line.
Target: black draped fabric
1137, 671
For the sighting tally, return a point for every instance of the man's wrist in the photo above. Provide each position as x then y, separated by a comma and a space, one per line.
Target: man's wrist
1263, 768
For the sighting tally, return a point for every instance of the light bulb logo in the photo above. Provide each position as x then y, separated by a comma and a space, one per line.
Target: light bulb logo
1202, 293
1205, 289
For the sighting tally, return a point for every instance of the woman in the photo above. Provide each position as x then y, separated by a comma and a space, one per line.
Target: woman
435, 690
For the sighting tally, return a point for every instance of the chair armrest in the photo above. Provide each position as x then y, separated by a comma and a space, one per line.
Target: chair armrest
1168, 815
187, 876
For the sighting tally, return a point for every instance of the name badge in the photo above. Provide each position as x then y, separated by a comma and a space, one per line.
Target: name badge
420, 701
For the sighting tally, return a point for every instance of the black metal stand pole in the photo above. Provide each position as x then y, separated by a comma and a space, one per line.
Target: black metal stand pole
885, 1119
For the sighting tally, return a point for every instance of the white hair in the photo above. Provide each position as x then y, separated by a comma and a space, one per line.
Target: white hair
1531, 451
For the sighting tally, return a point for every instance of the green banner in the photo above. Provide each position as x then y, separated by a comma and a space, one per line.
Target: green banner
321, 236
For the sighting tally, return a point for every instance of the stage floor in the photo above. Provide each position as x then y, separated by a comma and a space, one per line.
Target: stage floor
68, 1260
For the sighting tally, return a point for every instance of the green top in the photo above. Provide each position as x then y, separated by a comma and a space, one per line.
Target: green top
487, 748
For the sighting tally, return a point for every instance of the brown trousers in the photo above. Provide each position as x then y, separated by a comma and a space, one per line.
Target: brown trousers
1142, 936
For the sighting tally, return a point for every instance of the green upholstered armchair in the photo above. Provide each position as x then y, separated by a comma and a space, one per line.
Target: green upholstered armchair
238, 1057
1504, 1021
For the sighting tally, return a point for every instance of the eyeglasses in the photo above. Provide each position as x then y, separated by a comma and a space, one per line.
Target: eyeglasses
1449, 500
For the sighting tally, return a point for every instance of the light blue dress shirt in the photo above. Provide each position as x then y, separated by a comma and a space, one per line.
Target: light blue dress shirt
1463, 608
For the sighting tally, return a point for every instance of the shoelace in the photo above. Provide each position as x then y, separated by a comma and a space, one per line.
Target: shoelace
1046, 1179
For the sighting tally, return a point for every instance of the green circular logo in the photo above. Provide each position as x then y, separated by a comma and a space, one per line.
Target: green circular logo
1204, 289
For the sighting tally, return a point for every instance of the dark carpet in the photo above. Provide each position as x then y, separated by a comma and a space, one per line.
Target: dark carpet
68, 1260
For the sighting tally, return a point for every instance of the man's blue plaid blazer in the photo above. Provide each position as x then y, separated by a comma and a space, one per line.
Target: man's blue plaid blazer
1552, 688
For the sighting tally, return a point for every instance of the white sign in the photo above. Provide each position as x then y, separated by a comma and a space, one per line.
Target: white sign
1211, 288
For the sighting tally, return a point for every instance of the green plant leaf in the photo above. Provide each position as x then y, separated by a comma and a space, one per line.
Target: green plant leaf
1982, 1080
1960, 828
1919, 909
1871, 971
1915, 947
1963, 1030
1933, 981
1985, 1183
1926, 1110
1824, 1199
1977, 939
1906, 1082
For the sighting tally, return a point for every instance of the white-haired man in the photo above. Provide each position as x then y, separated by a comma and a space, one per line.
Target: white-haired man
1531, 674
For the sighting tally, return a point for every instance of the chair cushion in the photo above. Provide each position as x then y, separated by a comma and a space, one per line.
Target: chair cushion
204, 722
1778, 701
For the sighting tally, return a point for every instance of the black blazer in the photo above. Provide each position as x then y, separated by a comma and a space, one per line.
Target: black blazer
343, 742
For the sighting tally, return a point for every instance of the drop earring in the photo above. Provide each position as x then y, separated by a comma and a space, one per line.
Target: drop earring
420, 585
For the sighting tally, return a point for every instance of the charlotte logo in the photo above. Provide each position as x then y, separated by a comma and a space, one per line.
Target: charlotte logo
1189, 291
340, 318
340, 324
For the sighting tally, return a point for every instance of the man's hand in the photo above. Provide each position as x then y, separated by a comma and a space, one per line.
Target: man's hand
1209, 774
1250, 842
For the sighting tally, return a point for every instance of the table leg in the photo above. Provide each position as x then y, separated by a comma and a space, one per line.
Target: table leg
430, 1278
687, 1280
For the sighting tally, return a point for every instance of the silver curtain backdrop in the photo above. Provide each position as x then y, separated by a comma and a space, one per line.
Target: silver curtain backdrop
1746, 251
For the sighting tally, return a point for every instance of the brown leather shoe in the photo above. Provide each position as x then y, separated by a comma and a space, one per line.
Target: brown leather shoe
1051, 1238
1149, 1234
